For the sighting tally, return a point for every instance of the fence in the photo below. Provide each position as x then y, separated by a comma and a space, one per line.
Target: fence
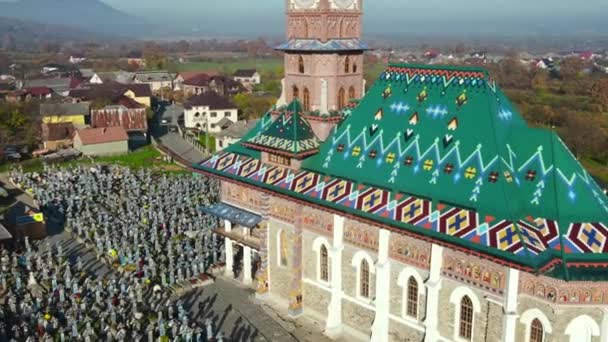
192, 140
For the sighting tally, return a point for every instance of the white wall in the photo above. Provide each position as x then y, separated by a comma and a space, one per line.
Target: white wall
194, 121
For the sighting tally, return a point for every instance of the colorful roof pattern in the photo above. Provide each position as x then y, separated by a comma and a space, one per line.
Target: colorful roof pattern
317, 45
290, 134
441, 152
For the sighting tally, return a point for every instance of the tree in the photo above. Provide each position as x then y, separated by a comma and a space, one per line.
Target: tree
599, 92
570, 68
4, 63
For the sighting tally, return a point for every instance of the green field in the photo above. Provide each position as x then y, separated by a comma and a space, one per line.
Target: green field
229, 66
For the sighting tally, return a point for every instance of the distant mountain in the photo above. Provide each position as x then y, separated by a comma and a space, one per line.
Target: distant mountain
26, 35
89, 15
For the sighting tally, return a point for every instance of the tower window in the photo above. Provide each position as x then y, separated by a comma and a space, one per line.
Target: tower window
295, 91
354, 68
301, 65
351, 93
341, 99
347, 65
306, 99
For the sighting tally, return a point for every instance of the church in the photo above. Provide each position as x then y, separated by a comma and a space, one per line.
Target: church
427, 210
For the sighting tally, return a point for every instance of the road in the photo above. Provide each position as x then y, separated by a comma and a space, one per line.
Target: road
172, 140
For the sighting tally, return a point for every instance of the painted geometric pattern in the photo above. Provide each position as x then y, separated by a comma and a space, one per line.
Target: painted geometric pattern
523, 238
588, 237
285, 144
473, 167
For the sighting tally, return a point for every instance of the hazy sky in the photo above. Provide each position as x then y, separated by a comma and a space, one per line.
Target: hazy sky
384, 16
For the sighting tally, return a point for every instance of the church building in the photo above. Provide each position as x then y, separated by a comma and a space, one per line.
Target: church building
428, 210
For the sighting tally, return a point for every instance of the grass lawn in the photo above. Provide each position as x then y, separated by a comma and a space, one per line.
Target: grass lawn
203, 141
229, 66
146, 156
597, 170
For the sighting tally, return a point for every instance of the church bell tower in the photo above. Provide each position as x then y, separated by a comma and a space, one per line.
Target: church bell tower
323, 54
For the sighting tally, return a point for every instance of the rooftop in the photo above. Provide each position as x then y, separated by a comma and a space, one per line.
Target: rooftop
57, 131
238, 129
301, 44
210, 99
245, 73
53, 109
93, 136
290, 134
440, 153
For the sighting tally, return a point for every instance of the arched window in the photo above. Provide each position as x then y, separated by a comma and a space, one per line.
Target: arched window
347, 65
412, 297
295, 91
301, 64
537, 333
351, 93
364, 279
283, 248
466, 319
197, 115
306, 99
354, 68
341, 99
324, 263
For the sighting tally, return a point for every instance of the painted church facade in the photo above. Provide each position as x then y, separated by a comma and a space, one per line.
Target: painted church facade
428, 211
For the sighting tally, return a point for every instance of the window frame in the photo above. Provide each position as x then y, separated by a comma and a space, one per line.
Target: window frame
456, 299
466, 319
301, 67
412, 300
535, 314
283, 263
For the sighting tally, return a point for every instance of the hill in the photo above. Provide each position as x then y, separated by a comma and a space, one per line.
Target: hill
25, 35
89, 15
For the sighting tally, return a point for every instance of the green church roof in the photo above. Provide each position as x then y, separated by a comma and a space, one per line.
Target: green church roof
441, 152
290, 134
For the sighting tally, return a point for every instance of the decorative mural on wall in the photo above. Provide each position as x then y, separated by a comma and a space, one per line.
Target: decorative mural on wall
474, 271
410, 251
282, 209
242, 196
318, 221
561, 292
361, 235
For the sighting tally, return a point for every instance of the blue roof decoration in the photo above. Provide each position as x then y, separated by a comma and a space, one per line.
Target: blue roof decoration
298, 44
233, 214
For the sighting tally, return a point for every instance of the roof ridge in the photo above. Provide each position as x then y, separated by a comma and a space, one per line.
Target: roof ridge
440, 67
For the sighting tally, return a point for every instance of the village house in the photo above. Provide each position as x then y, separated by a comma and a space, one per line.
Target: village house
233, 133
131, 119
156, 79
60, 86
205, 112
183, 76
101, 141
77, 58
140, 93
56, 136
196, 85
74, 113
247, 77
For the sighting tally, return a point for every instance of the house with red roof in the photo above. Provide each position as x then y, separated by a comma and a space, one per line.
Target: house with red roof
101, 141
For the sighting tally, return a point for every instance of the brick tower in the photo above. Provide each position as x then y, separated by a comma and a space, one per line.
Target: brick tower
323, 54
